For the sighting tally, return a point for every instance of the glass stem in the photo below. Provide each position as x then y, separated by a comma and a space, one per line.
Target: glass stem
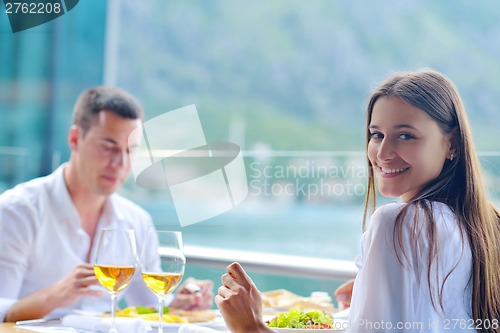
113, 313
160, 313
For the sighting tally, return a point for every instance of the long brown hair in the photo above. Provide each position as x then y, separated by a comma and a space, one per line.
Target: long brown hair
459, 185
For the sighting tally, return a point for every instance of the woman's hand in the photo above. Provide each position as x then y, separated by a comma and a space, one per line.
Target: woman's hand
239, 302
344, 293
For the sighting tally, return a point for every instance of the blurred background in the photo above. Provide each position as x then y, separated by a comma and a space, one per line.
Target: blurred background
286, 80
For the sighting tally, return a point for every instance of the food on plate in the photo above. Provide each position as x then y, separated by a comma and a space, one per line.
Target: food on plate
282, 299
150, 314
301, 319
196, 316
172, 316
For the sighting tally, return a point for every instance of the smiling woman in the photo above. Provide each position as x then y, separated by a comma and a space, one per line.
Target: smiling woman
443, 240
431, 258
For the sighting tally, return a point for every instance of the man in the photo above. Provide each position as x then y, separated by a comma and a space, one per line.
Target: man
48, 226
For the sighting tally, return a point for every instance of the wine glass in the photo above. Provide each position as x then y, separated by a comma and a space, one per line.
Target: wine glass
115, 262
163, 277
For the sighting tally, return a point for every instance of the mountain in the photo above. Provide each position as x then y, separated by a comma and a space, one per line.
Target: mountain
296, 75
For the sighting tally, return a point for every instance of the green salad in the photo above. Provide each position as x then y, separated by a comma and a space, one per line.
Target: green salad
301, 319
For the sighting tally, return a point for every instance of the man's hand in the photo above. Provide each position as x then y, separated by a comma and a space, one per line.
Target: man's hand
194, 295
75, 285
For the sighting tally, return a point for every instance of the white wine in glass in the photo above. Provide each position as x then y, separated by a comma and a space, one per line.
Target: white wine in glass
163, 279
115, 262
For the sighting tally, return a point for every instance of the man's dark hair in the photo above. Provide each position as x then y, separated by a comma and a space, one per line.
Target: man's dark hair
97, 99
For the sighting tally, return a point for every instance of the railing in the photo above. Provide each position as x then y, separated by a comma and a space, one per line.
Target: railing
14, 151
271, 263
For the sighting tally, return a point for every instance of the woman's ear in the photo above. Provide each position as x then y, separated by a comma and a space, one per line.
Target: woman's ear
453, 140
73, 137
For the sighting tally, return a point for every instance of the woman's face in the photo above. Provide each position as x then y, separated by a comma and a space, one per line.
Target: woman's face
407, 149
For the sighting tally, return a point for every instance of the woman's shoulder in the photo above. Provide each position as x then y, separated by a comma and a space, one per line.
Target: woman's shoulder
407, 224
387, 212
416, 212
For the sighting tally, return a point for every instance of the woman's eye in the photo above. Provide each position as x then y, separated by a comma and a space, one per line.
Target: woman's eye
406, 136
376, 135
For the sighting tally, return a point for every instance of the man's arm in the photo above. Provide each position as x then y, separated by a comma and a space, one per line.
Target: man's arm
36, 305
61, 294
16, 236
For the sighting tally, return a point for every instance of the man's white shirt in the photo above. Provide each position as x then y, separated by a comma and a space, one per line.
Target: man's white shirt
42, 240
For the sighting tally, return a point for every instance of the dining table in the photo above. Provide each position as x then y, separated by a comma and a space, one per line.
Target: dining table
8, 328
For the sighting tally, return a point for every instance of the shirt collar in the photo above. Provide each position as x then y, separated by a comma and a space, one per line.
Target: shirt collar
61, 197
110, 213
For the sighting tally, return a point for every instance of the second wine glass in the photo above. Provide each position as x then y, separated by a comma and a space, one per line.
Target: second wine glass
164, 278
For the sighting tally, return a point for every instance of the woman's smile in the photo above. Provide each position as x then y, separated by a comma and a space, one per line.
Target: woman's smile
389, 171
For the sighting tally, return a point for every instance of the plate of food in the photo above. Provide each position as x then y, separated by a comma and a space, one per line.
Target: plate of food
173, 317
298, 321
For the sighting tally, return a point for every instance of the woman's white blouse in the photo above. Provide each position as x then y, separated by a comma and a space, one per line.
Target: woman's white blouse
392, 293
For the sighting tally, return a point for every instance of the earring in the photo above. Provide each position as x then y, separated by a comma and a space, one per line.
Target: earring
451, 157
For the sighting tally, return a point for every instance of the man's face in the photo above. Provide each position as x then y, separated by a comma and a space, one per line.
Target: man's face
103, 154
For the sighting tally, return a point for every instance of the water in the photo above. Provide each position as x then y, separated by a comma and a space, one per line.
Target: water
326, 231
315, 230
